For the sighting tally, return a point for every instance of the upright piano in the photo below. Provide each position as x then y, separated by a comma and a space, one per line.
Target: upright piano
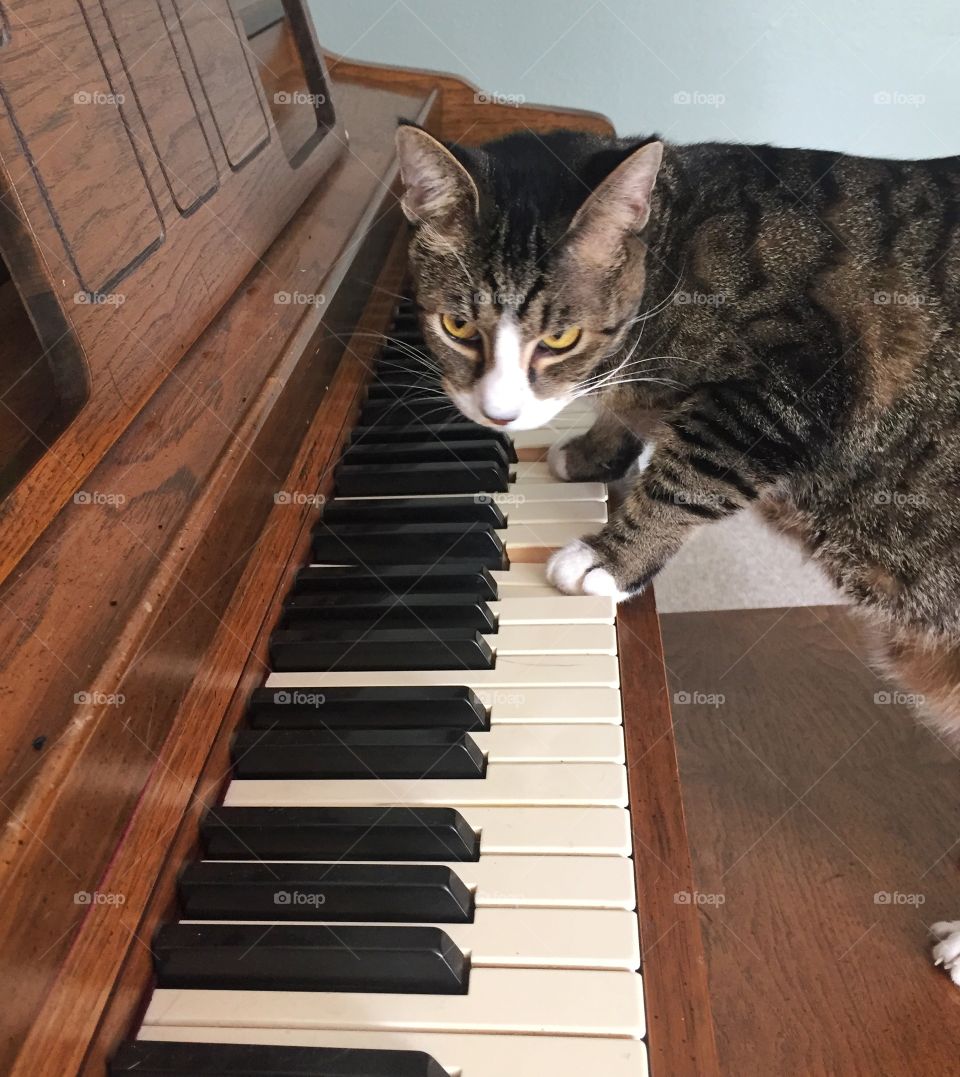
305, 769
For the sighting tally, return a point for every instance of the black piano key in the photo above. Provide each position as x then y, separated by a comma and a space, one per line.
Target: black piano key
397, 580
400, 543
428, 407
321, 648
397, 893
355, 608
363, 753
389, 385
472, 508
170, 1058
424, 452
245, 957
338, 834
385, 480
384, 433
367, 708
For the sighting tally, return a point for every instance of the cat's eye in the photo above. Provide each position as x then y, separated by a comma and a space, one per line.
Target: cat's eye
562, 341
459, 328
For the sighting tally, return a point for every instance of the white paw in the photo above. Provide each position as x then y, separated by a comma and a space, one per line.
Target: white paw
557, 461
574, 571
946, 952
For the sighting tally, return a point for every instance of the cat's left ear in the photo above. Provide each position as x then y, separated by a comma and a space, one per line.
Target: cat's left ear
438, 190
619, 207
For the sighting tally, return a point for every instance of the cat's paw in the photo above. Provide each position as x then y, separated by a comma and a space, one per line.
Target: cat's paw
578, 569
558, 462
946, 951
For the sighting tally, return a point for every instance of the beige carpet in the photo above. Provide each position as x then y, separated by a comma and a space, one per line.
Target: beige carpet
740, 563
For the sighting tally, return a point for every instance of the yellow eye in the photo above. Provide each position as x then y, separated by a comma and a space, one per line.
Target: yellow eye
458, 328
566, 338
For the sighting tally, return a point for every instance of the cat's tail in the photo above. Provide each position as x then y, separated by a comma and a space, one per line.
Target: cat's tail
927, 670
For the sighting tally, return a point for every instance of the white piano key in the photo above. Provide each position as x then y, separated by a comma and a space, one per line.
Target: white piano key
550, 512
523, 575
549, 492
505, 784
549, 536
572, 639
552, 744
551, 831
535, 671
554, 610
525, 938
551, 705
460, 1054
533, 471
545, 436
537, 1001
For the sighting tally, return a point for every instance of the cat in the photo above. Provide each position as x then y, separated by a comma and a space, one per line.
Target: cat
758, 326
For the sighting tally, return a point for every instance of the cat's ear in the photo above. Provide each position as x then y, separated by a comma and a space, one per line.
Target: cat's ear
619, 207
438, 190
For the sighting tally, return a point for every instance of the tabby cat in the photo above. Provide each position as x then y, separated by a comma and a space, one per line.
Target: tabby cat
756, 325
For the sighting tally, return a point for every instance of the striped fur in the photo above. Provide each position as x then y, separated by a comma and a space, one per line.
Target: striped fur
793, 316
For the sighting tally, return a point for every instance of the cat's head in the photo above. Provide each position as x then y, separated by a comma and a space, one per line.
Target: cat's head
528, 263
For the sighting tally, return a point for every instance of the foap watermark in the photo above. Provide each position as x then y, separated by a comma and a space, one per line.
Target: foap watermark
898, 97
299, 97
298, 497
700, 299
296, 698
98, 897
699, 699
491, 98
899, 699
699, 97
698, 897
99, 699
99, 299
897, 897
899, 499
97, 97
299, 299
485, 298
506, 498
299, 897
715, 502
99, 497
899, 299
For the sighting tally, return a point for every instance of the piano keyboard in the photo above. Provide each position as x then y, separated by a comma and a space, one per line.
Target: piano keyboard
422, 864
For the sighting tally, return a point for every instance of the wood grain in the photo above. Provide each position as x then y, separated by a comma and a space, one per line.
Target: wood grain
823, 829
467, 114
680, 1034
116, 271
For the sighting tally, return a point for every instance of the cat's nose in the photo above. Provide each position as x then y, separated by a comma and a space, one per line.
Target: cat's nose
500, 420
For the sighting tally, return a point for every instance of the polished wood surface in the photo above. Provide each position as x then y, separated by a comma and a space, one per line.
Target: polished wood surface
823, 831
680, 1035
141, 183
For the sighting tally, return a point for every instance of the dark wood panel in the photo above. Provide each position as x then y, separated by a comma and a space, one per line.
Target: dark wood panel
680, 1035
218, 50
73, 137
162, 94
823, 829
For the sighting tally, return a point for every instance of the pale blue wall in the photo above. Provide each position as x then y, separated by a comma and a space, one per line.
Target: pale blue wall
795, 73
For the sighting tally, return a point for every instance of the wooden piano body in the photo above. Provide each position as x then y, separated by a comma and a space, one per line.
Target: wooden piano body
196, 268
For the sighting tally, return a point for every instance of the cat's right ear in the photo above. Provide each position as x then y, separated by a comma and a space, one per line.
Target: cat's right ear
438, 191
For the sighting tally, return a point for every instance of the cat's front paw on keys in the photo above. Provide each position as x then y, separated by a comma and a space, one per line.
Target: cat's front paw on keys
557, 460
946, 952
578, 569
